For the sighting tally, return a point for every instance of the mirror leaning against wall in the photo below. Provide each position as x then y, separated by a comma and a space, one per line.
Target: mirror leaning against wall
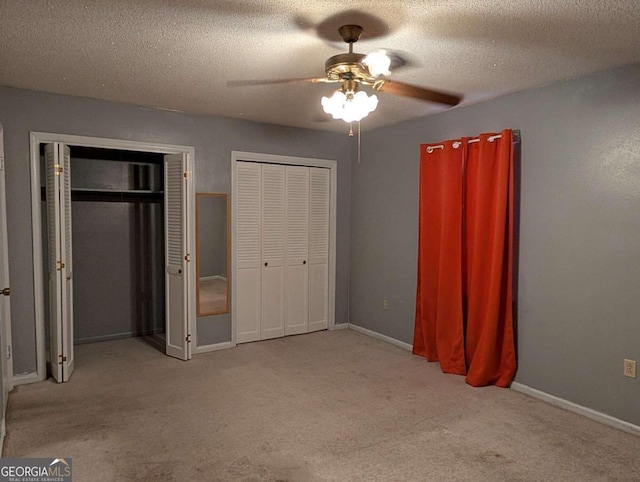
212, 253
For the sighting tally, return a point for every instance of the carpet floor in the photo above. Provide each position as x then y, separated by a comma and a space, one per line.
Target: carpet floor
328, 406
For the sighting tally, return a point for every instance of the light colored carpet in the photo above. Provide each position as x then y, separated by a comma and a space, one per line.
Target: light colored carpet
336, 406
213, 295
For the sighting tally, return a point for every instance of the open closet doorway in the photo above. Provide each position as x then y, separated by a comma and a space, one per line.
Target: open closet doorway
114, 222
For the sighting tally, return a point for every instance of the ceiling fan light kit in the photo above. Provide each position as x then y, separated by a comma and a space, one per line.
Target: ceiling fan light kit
350, 106
354, 70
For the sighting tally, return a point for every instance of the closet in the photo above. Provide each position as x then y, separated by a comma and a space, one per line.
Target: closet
117, 237
282, 250
114, 249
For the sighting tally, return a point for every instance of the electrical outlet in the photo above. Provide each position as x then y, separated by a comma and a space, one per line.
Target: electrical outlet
385, 304
630, 368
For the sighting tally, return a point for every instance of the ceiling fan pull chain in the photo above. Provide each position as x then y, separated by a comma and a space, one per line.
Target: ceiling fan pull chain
350, 129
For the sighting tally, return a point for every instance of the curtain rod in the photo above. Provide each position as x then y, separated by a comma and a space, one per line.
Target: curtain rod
456, 144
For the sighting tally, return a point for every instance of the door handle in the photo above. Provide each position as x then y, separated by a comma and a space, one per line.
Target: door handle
304, 262
266, 264
6, 291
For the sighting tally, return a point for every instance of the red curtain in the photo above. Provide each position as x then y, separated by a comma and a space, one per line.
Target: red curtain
464, 314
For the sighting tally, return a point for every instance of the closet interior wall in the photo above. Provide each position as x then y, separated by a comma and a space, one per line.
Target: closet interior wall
118, 244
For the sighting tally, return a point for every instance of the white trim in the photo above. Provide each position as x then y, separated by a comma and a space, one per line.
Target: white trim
37, 138
278, 159
575, 408
340, 326
332, 165
380, 336
214, 347
25, 378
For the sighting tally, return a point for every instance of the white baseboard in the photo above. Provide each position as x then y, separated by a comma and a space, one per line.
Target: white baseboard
25, 378
579, 409
214, 347
379, 336
340, 326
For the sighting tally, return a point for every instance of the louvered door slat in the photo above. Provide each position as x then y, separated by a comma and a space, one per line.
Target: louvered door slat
247, 276
319, 248
174, 179
248, 215
273, 251
54, 250
273, 214
297, 286
175, 202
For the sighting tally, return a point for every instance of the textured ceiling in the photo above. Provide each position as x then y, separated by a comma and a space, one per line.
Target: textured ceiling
179, 54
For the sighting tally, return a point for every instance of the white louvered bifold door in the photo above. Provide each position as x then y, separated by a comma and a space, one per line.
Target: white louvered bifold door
60, 263
5, 308
247, 235
297, 235
273, 251
67, 262
319, 249
175, 201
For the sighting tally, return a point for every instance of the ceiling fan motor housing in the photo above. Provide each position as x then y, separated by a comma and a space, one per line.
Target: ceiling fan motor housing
346, 67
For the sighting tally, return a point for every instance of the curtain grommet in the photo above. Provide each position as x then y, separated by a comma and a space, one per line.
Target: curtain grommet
456, 144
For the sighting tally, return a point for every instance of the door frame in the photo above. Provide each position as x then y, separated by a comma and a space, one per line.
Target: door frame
37, 138
332, 165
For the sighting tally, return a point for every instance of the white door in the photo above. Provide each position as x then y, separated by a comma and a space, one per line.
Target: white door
5, 311
176, 192
273, 251
297, 230
247, 237
319, 249
60, 263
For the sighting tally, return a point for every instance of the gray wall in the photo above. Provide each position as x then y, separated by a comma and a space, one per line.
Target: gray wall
579, 279
114, 260
118, 247
214, 138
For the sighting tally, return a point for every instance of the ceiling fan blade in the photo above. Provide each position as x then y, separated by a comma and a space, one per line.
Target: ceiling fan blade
245, 83
413, 91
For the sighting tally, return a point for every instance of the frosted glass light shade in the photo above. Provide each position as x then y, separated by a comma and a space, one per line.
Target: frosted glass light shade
349, 110
378, 63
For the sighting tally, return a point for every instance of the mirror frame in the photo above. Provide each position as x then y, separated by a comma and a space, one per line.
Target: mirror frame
199, 196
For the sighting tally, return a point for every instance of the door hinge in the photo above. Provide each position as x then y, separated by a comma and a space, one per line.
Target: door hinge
186, 175
58, 169
60, 265
62, 359
1, 163
188, 338
187, 257
8, 352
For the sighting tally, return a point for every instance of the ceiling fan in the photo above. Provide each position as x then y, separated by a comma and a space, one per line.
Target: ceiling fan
353, 70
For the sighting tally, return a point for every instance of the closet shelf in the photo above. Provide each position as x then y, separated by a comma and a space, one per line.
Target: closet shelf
112, 195
114, 191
